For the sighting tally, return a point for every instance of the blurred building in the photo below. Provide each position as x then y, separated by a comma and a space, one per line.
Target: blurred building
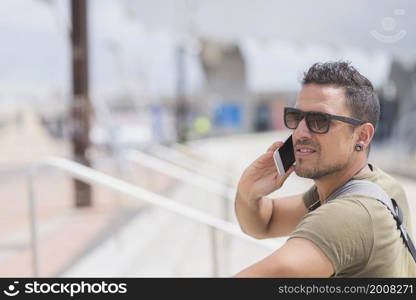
226, 96
398, 103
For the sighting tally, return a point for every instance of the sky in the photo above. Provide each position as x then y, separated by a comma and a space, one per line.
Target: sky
302, 21
132, 41
36, 52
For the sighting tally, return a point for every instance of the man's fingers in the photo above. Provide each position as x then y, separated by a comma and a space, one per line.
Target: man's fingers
275, 146
286, 175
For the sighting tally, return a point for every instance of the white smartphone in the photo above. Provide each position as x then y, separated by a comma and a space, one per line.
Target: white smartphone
284, 157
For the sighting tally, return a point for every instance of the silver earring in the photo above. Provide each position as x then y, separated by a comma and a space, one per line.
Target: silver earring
358, 147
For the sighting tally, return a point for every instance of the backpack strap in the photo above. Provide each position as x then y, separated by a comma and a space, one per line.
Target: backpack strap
370, 189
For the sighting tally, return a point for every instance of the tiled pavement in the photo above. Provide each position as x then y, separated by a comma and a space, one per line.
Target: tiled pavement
65, 233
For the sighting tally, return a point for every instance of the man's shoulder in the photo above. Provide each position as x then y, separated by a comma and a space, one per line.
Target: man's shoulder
379, 176
388, 183
365, 211
361, 205
343, 230
344, 211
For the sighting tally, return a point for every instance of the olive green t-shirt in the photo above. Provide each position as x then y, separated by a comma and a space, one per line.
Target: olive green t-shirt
358, 234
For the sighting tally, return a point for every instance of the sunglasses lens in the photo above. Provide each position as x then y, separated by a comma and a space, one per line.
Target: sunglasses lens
293, 118
318, 122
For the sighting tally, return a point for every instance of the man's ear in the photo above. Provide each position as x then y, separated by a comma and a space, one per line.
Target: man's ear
366, 134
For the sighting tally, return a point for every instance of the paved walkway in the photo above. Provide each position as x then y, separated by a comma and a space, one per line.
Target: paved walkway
65, 233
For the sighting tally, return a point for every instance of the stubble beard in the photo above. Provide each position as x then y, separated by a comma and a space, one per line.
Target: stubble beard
315, 171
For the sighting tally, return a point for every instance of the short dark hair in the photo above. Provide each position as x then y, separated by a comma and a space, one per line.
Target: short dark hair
361, 98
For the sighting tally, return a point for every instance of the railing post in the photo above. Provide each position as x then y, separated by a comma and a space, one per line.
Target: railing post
33, 222
214, 252
227, 217
225, 198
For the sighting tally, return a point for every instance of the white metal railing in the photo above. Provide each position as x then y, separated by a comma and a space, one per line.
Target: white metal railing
201, 181
179, 173
92, 176
186, 157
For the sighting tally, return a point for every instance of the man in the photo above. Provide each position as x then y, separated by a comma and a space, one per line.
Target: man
351, 236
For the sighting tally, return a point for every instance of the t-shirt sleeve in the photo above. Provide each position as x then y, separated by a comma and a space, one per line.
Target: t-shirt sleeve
343, 230
311, 198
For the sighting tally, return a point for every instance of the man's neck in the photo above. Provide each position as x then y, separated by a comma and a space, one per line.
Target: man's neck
329, 184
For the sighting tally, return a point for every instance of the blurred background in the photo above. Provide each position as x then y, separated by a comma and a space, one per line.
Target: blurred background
125, 124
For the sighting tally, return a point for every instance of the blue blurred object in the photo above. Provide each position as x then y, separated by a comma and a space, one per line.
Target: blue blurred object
156, 111
262, 120
228, 115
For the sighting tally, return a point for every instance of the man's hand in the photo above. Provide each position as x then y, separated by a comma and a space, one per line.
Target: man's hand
261, 177
262, 217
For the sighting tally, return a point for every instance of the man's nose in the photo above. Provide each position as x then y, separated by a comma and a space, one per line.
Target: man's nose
302, 131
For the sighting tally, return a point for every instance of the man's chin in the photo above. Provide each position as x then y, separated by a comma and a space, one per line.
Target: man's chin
317, 173
303, 175
306, 172
300, 172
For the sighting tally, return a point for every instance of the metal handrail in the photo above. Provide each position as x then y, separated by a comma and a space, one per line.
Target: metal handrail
92, 176
178, 157
193, 177
180, 173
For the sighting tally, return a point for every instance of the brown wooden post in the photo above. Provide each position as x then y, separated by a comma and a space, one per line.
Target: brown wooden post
81, 108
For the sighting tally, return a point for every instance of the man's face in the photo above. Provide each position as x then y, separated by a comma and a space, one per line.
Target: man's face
331, 151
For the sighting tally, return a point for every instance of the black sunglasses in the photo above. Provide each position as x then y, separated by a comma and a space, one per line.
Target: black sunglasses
317, 122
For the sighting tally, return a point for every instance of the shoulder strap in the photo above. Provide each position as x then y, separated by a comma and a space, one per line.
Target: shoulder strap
370, 189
